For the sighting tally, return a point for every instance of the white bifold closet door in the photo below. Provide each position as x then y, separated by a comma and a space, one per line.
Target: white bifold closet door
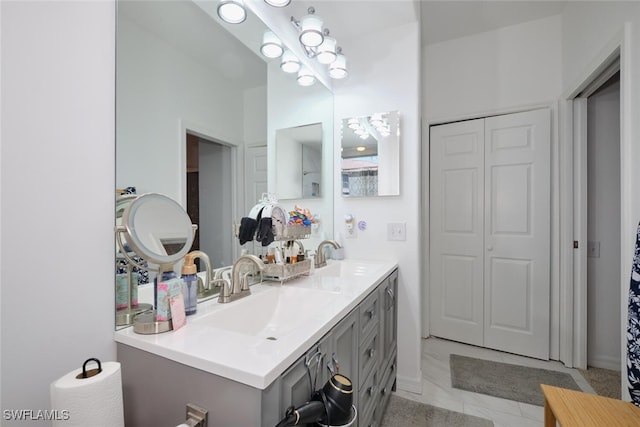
490, 210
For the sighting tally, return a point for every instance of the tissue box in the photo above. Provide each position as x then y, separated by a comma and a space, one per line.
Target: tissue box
167, 290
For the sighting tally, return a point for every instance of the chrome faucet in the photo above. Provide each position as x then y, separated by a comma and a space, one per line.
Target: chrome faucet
203, 289
321, 261
239, 286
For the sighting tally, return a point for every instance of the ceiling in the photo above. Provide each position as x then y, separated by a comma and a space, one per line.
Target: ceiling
185, 26
447, 20
441, 20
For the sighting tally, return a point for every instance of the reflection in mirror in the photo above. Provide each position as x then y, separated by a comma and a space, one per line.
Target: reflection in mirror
371, 155
299, 162
154, 232
157, 229
186, 79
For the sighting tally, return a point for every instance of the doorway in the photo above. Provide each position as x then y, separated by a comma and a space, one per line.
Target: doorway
597, 215
209, 180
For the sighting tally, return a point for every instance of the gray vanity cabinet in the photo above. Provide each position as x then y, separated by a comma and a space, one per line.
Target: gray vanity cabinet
361, 346
378, 350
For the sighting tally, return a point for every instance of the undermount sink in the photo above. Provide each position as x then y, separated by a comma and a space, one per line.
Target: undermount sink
345, 268
271, 313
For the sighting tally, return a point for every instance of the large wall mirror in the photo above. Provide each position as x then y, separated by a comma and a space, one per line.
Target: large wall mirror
197, 112
370, 155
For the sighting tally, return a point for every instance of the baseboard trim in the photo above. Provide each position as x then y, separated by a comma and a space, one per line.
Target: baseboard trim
410, 384
604, 362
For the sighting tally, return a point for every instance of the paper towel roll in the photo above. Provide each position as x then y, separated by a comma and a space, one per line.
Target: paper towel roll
95, 401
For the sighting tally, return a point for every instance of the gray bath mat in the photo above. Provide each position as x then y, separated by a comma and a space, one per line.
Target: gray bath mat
407, 413
513, 382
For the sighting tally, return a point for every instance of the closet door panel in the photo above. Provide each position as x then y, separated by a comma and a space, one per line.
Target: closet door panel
456, 236
517, 233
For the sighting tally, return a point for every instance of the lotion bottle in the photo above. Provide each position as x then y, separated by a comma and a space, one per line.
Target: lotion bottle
190, 287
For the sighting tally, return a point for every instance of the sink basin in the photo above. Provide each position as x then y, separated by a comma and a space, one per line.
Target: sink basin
271, 313
345, 268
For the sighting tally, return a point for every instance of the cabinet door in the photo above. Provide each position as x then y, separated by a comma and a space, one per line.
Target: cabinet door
388, 292
343, 358
303, 378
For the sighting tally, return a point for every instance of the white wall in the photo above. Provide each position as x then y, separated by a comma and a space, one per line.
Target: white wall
388, 81
603, 212
512, 67
57, 182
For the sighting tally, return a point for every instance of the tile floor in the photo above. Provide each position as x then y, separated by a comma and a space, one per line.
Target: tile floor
437, 391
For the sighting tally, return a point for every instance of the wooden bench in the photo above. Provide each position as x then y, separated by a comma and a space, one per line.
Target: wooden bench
572, 408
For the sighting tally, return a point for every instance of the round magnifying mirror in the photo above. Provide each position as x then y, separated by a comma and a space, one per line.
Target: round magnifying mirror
157, 228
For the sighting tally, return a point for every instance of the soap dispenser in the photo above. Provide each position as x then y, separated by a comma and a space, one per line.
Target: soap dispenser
190, 289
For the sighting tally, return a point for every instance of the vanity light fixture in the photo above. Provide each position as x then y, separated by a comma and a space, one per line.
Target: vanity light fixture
232, 11
305, 77
364, 136
317, 43
360, 131
311, 34
290, 62
271, 45
278, 3
326, 53
376, 120
353, 123
338, 68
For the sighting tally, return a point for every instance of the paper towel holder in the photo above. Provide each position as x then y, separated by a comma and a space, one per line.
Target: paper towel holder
92, 372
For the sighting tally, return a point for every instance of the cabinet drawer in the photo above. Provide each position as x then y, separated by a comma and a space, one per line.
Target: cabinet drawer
369, 354
369, 314
388, 379
369, 394
369, 418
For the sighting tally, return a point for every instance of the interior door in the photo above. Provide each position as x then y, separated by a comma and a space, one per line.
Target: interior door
490, 232
255, 175
517, 233
457, 234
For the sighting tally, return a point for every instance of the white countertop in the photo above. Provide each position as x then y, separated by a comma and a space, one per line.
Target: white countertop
255, 339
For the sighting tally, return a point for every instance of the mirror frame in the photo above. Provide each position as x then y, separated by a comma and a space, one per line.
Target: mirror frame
137, 243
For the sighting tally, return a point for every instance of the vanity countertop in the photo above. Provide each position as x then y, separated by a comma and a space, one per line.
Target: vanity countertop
255, 339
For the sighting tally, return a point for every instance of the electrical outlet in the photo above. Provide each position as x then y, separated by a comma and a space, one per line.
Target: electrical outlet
397, 231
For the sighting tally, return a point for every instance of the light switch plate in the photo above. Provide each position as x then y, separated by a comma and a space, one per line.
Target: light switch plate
397, 231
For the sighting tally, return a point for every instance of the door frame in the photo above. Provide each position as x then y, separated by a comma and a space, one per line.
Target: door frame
237, 168
573, 178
